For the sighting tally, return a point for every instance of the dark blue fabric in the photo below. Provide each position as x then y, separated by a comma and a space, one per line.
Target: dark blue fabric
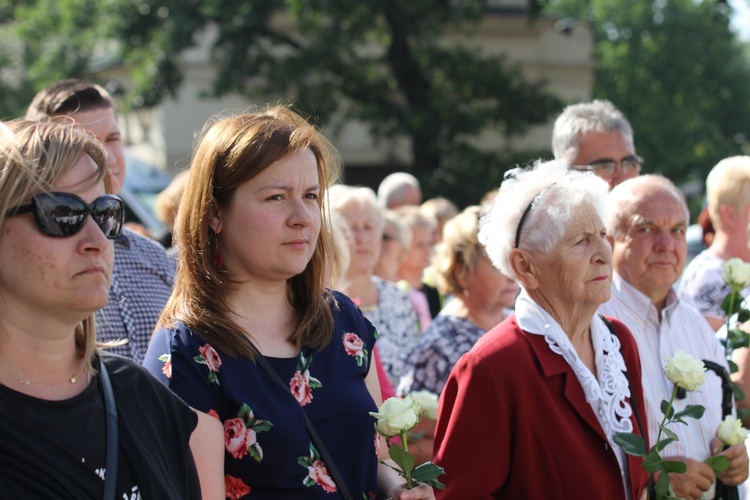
275, 468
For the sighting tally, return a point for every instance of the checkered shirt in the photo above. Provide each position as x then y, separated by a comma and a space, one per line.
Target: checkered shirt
141, 285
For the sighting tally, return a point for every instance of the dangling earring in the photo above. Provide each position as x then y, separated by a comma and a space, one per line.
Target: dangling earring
218, 257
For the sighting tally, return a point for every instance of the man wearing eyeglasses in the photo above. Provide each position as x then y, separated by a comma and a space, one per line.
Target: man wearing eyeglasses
596, 136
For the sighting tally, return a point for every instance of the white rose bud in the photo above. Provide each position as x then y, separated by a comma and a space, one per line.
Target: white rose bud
731, 431
395, 416
685, 371
427, 401
736, 273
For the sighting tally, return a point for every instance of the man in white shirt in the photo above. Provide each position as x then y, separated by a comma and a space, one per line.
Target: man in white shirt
646, 227
728, 194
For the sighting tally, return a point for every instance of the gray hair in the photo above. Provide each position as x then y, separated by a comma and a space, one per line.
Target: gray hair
394, 187
579, 119
342, 196
622, 198
553, 192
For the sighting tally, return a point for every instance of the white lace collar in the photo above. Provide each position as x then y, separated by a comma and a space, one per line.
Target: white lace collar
607, 396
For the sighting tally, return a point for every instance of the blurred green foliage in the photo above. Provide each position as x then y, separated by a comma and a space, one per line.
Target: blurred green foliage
378, 61
679, 74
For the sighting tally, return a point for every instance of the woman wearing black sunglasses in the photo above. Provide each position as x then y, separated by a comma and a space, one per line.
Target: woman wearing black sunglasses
75, 422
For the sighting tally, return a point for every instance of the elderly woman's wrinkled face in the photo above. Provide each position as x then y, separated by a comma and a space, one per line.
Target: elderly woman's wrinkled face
578, 270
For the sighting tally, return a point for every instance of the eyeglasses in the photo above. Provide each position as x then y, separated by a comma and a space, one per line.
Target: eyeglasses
607, 167
64, 214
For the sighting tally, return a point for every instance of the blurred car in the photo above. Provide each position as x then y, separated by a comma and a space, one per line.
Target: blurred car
143, 183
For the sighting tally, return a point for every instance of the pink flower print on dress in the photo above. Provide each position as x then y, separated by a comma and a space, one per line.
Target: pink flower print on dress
301, 388
354, 346
240, 434
209, 357
317, 472
167, 368
237, 437
302, 383
235, 488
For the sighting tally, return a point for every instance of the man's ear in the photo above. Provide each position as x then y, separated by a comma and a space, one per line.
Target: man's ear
215, 217
520, 261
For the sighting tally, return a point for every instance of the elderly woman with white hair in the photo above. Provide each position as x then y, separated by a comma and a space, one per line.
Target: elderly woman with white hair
531, 410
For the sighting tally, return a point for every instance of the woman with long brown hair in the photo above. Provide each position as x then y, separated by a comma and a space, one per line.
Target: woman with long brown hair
250, 334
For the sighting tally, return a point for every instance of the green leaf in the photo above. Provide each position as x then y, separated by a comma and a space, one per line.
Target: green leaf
743, 413
671, 435
692, 411
662, 486
630, 443
733, 368
667, 409
743, 316
719, 463
244, 412
427, 472
652, 462
663, 444
259, 425
731, 302
674, 466
402, 458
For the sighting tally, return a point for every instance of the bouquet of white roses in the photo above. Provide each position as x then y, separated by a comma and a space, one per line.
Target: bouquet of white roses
684, 372
396, 417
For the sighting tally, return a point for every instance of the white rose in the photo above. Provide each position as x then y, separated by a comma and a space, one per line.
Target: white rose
736, 273
395, 416
427, 401
685, 371
731, 431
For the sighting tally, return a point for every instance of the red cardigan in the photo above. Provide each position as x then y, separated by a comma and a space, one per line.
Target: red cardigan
514, 423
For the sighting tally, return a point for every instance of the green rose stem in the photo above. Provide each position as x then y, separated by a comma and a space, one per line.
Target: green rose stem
658, 436
407, 472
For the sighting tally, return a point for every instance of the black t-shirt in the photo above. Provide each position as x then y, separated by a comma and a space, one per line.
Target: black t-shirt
56, 449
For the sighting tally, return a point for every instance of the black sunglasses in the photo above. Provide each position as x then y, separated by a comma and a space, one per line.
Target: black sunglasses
64, 214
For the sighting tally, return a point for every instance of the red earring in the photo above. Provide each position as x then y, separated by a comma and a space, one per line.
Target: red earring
218, 257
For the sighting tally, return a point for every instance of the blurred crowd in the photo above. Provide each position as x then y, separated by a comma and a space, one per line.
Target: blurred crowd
540, 316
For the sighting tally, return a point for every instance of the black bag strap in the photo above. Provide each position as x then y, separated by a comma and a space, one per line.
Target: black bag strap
338, 479
110, 477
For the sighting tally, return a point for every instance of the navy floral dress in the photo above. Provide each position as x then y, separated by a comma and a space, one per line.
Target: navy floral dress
268, 451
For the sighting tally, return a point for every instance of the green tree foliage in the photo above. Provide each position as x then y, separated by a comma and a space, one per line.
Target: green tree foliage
678, 73
379, 61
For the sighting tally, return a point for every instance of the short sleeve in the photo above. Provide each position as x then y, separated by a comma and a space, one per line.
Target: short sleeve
188, 365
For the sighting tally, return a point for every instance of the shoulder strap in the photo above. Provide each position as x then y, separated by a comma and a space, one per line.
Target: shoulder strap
110, 477
633, 402
343, 488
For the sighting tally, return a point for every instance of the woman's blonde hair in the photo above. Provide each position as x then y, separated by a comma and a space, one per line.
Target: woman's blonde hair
231, 151
460, 249
33, 158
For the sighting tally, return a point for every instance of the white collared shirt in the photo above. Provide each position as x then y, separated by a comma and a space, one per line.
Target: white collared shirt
681, 328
